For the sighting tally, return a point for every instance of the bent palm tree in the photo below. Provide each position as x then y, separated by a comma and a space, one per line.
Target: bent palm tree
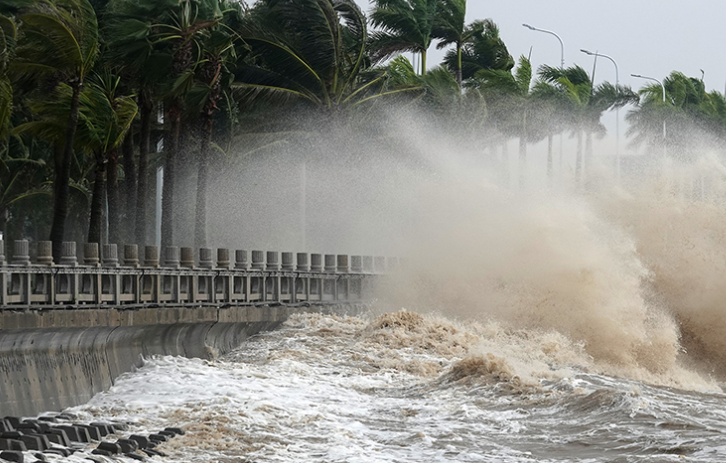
59, 38
406, 25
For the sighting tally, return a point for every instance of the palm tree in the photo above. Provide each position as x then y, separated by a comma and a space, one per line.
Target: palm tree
59, 39
450, 28
105, 117
508, 95
478, 47
687, 107
214, 79
308, 50
7, 39
406, 25
586, 104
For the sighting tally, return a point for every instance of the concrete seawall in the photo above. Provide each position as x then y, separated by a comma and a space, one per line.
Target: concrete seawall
67, 331
54, 359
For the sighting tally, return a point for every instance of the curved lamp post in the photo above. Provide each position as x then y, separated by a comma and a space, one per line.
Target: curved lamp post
562, 45
665, 148
617, 111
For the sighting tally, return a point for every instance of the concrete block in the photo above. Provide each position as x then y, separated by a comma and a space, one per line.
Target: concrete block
131, 255
21, 253
90, 254
45, 253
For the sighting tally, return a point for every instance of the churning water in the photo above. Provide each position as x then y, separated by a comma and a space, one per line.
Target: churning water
409, 388
563, 324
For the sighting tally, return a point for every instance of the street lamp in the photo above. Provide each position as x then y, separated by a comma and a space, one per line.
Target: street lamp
562, 64
664, 100
562, 45
617, 110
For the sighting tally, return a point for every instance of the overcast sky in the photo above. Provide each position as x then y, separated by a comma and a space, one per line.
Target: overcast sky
644, 37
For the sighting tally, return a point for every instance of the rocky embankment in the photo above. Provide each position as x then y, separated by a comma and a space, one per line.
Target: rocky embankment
30, 440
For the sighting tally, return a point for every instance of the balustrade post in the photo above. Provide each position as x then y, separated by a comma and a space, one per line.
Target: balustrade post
205, 258
342, 261
2, 253
316, 262
109, 256
91, 259
187, 257
240, 260
367, 264
45, 253
302, 262
273, 260
69, 257
131, 255
287, 262
151, 256
223, 258
21, 253
329, 263
258, 260
356, 264
151, 259
90, 254
223, 262
171, 257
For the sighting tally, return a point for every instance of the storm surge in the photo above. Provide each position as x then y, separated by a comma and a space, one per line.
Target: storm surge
629, 275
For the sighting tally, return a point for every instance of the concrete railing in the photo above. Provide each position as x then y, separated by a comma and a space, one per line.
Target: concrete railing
182, 278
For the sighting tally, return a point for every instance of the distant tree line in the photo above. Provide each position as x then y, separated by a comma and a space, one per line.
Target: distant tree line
95, 94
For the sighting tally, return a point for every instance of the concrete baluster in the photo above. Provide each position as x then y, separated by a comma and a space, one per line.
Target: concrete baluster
273, 260
287, 262
302, 262
110, 255
205, 258
171, 257
367, 264
329, 263
258, 260
379, 264
151, 256
131, 255
90, 254
316, 262
187, 257
356, 264
45, 253
68, 254
21, 254
342, 260
223, 258
240, 260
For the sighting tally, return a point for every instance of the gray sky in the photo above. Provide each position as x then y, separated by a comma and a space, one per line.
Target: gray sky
644, 37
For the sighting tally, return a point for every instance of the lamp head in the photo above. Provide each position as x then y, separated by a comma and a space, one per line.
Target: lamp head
587, 52
529, 27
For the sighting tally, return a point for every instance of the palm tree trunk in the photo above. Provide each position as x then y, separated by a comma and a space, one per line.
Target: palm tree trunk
63, 177
200, 222
171, 146
459, 73
505, 162
588, 152
423, 62
129, 185
549, 157
522, 159
578, 160
94, 227
146, 109
113, 196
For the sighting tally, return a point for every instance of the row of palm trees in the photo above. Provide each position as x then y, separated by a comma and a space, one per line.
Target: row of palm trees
91, 89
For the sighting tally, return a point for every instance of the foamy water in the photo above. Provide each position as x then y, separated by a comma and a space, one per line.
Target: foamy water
409, 388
